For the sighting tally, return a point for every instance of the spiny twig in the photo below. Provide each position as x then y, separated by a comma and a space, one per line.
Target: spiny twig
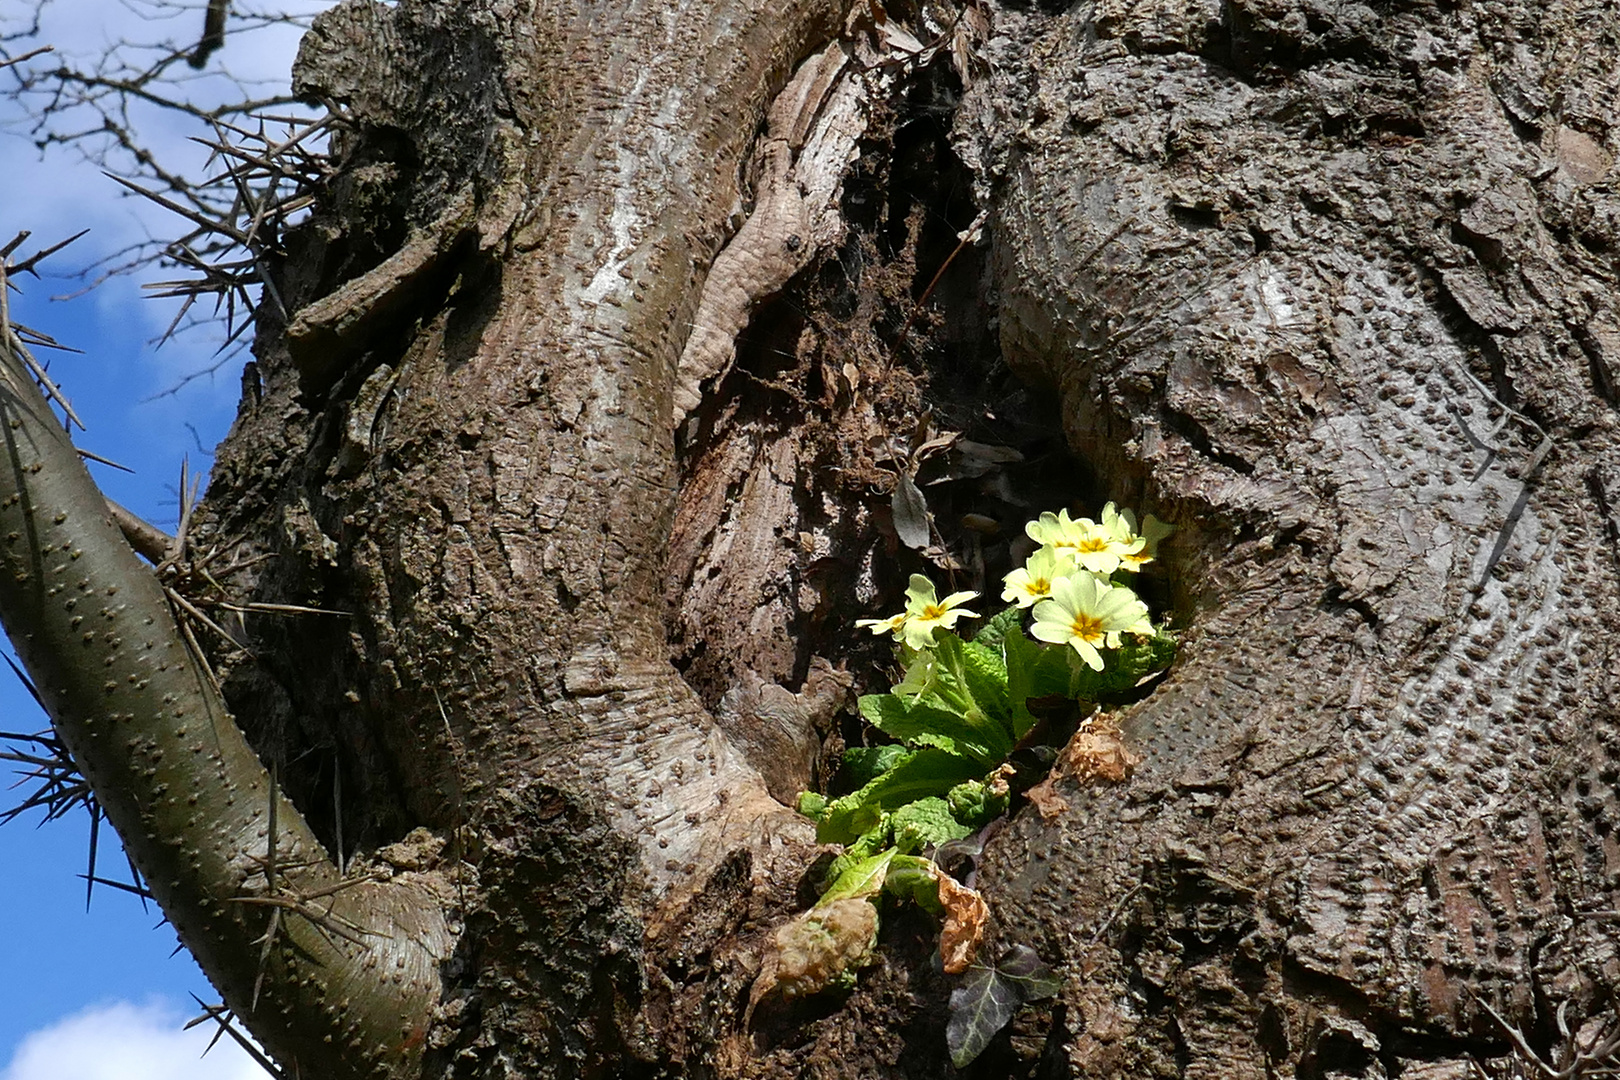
223, 1017
11, 335
279, 896
1599, 1056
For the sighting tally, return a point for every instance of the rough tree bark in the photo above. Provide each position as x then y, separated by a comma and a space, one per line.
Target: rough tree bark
1327, 285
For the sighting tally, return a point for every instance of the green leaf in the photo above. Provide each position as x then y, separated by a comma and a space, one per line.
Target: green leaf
994, 630
978, 678
986, 676
870, 843
812, 805
863, 879
914, 878
928, 725
1123, 668
847, 819
1028, 677
1033, 978
926, 772
925, 822
1035, 670
863, 764
979, 1008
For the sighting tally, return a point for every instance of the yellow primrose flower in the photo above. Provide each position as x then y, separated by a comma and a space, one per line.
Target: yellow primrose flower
924, 612
1033, 580
1092, 546
1100, 551
1122, 525
891, 625
1085, 612
1056, 530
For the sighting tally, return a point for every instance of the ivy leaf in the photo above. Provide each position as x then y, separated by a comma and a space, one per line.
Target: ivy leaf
863, 879
979, 1008
1033, 977
989, 996
929, 771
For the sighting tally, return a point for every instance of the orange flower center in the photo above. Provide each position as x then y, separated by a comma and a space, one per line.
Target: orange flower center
1086, 628
1092, 543
933, 611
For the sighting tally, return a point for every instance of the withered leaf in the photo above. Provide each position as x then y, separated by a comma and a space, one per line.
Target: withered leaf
819, 948
910, 513
1097, 751
965, 916
1047, 802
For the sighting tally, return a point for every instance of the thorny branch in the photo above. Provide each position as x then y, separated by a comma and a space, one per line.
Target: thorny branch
1584, 1051
266, 155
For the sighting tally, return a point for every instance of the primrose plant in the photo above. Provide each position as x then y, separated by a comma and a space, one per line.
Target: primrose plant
962, 706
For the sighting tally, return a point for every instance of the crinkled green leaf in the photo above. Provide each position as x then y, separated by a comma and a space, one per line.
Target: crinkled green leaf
975, 805
974, 671
979, 1008
922, 724
863, 764
995, 629
1033, 978
812, 804
914, 878
986, 675
925, 822
847, 818
926, 772
1122, 669
863, 879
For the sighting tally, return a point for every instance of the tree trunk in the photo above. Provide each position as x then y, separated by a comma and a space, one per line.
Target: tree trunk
1325, 285
1336, 284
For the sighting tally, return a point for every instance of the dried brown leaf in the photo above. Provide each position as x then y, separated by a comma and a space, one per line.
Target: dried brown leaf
965, 916
815, 950
1044, 797
1098, 752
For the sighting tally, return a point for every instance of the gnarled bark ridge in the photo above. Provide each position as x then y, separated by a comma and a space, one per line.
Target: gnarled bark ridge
1335, 284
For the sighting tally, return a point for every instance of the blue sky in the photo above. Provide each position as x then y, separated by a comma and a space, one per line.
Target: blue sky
87, 996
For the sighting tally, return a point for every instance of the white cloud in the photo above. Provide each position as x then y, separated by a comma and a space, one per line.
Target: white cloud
122, 1041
